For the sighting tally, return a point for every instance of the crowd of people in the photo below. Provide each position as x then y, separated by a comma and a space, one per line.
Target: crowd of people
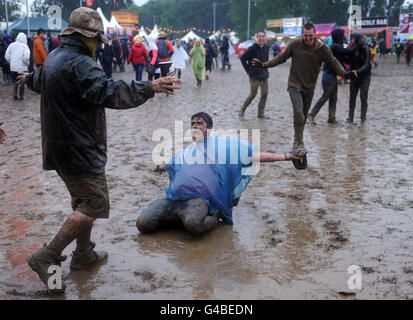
200, 195
163, 56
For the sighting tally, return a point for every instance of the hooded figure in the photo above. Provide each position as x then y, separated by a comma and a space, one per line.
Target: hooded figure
198, 62
18, 55
4, 63
138, 56
179, 58
329, 79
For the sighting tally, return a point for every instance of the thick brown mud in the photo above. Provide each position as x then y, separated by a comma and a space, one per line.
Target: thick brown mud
295, 233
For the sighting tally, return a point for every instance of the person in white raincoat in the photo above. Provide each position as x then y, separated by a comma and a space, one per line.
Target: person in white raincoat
179, 58
18, 55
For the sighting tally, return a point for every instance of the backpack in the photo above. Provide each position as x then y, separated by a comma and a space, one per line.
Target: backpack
157, 59
163, 50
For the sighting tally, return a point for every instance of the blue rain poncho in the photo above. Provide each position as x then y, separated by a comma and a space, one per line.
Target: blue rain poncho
218, 170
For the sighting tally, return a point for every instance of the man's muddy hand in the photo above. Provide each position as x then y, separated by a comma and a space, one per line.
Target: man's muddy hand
21, 78
166, 85
257, 63
352, 75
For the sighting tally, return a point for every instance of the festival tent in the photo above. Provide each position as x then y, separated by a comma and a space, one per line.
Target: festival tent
142, 32
104, 20
231, 36
114, 23
20, 25
191, 35
215, 36
155, 32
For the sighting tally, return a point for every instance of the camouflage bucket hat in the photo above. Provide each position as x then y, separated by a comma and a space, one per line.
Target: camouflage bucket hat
85, 21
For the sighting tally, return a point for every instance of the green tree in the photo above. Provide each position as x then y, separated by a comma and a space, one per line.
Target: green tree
328, 11
13, 10
183, 14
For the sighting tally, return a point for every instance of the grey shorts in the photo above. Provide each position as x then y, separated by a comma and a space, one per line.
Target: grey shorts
90, 195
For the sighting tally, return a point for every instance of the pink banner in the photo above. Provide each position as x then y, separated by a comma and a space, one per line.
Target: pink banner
406, 23
324, 29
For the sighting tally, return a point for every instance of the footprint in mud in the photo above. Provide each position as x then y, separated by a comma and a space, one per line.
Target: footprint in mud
151, 282
332, 225
320, 213
408, 270
390, 280
316, 186
367, 269
337, 239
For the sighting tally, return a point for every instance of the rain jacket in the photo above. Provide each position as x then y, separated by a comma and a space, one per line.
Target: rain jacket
138, 54
218, 170
262, 54
198, 61
74, 94
18, 54
342, 54
360, 61
39, 50
117, 51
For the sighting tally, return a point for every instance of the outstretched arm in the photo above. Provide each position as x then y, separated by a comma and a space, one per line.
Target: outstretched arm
279, 59
275, 157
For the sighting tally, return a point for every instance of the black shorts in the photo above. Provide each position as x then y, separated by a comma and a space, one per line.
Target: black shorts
90, 195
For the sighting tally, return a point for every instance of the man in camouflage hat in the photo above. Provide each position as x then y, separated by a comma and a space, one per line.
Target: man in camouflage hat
75, 92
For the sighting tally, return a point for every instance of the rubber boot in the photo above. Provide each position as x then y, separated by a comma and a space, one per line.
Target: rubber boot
83, 260
41, 260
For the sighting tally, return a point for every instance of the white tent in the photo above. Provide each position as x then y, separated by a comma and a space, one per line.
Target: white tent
215, 36
191, 35
155, 32
104, 20
142, 32
114, 23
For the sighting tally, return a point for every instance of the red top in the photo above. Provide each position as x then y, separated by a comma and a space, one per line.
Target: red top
138, 54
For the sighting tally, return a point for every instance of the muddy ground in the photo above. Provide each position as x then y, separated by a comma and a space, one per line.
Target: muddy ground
295, 233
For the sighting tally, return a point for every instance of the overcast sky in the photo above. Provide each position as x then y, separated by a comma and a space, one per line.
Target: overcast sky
140, 2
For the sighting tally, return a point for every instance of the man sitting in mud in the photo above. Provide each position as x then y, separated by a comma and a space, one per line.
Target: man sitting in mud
207, 180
